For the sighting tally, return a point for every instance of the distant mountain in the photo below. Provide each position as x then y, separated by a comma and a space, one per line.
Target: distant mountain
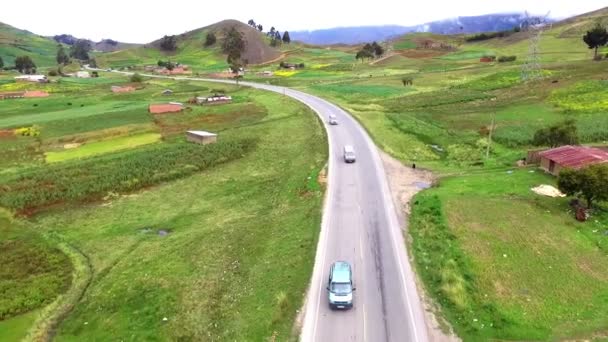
348, 35
356, 35
104, 45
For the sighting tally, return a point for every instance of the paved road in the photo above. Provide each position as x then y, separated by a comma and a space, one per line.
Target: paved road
359, 226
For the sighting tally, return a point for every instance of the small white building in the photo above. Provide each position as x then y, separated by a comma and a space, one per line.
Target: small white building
32, 78
82, 74
201, 137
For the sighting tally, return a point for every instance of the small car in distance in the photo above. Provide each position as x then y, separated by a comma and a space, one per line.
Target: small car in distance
333, 120
340, 286
349, 154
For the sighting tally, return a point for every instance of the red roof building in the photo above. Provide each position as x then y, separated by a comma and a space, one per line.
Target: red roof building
165, 108
571, 157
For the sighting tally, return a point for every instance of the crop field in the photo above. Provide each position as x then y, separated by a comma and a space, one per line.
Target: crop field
226, 233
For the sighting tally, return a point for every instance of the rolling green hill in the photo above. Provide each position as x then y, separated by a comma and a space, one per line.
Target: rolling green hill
15, 42
191, 50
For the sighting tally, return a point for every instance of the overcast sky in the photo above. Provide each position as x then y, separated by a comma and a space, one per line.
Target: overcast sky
143, 21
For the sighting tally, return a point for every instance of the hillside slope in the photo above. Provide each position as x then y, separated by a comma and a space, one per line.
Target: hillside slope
191, 49
15, 42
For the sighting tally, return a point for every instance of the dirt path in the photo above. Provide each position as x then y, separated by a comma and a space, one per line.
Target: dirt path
405, 182
383, 58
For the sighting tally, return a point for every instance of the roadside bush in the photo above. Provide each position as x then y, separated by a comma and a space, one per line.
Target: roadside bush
136, 78
52, 72
504, 59
92, 179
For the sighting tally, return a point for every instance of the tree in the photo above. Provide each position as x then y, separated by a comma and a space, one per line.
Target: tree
168, 43
276, 40
233, 44
590, 183
563, 133
24, 64
251, 22
286, 38
260, 27
598, 36
92, 63
1, 62
80, 49
367, 52
210, 39
62, 57
136, 78
378, 50
271, 32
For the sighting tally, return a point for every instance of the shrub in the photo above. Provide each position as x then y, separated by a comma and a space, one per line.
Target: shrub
210, 39
52, 72
503, 59
92, 179
564, 133
136, 78
33, 131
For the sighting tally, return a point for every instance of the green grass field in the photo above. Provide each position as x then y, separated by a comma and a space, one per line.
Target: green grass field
102, 147
240, 235
491, 234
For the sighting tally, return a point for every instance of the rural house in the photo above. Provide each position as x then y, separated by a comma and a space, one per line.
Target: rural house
571, 157
32, 78
215, 99
201, 137
165, 108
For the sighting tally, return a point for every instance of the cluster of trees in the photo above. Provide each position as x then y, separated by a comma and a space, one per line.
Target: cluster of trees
1, 62
25, 65
80, 49
370, 51
252, 23
276, 37
563, 133
167, 64
591, 183
596, 38
168, 43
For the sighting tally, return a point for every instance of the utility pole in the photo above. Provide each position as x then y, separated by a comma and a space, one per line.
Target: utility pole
493, 100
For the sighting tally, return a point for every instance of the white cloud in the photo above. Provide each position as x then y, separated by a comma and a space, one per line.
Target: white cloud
143, 22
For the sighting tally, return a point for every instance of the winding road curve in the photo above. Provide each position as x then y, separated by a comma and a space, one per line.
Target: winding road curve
359, 226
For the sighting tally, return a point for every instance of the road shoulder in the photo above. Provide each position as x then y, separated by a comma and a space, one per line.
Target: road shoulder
404, 183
